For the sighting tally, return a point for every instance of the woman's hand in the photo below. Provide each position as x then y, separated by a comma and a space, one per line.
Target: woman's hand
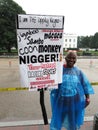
87, 102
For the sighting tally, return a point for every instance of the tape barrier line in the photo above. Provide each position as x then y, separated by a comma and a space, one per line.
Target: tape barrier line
13, 89
20, 88
94, 83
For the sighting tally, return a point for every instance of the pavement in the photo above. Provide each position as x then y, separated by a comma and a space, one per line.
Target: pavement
88, 125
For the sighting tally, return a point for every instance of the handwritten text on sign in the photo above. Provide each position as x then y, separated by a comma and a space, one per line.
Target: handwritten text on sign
40, 21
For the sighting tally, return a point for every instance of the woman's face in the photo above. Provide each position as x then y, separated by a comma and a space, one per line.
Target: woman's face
70, 59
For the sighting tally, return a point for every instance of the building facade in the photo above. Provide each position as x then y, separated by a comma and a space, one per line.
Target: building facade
70, 41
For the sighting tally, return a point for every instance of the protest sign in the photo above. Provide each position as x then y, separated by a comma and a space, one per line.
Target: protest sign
40, 50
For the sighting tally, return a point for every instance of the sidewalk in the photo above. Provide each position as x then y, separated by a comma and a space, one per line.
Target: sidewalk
88, 125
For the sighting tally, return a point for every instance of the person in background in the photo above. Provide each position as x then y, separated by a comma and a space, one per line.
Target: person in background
69, 101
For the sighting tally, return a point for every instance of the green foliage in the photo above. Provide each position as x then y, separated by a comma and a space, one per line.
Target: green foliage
87, 53
83, 53
88, 41
94, 41
6, 53
8, 12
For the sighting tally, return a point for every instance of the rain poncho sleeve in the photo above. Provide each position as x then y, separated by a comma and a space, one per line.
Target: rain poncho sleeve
85, 84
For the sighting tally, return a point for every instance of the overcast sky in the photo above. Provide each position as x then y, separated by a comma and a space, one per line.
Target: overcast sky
81, 16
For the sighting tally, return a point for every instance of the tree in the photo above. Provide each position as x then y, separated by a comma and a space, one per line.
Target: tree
79, 41
8, 13
85, 41
94, 41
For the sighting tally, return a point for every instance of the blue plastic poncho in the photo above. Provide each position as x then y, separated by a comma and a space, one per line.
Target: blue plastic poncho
68, 101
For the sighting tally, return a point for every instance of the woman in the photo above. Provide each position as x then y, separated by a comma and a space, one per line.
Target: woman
70, 99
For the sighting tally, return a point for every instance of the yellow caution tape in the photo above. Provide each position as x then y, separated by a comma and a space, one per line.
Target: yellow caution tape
13, 89
24, 88
94, 83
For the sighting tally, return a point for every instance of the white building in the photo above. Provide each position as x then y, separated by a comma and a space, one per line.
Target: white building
70, 41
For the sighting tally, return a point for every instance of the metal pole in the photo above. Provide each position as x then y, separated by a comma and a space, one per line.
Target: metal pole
43, 107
